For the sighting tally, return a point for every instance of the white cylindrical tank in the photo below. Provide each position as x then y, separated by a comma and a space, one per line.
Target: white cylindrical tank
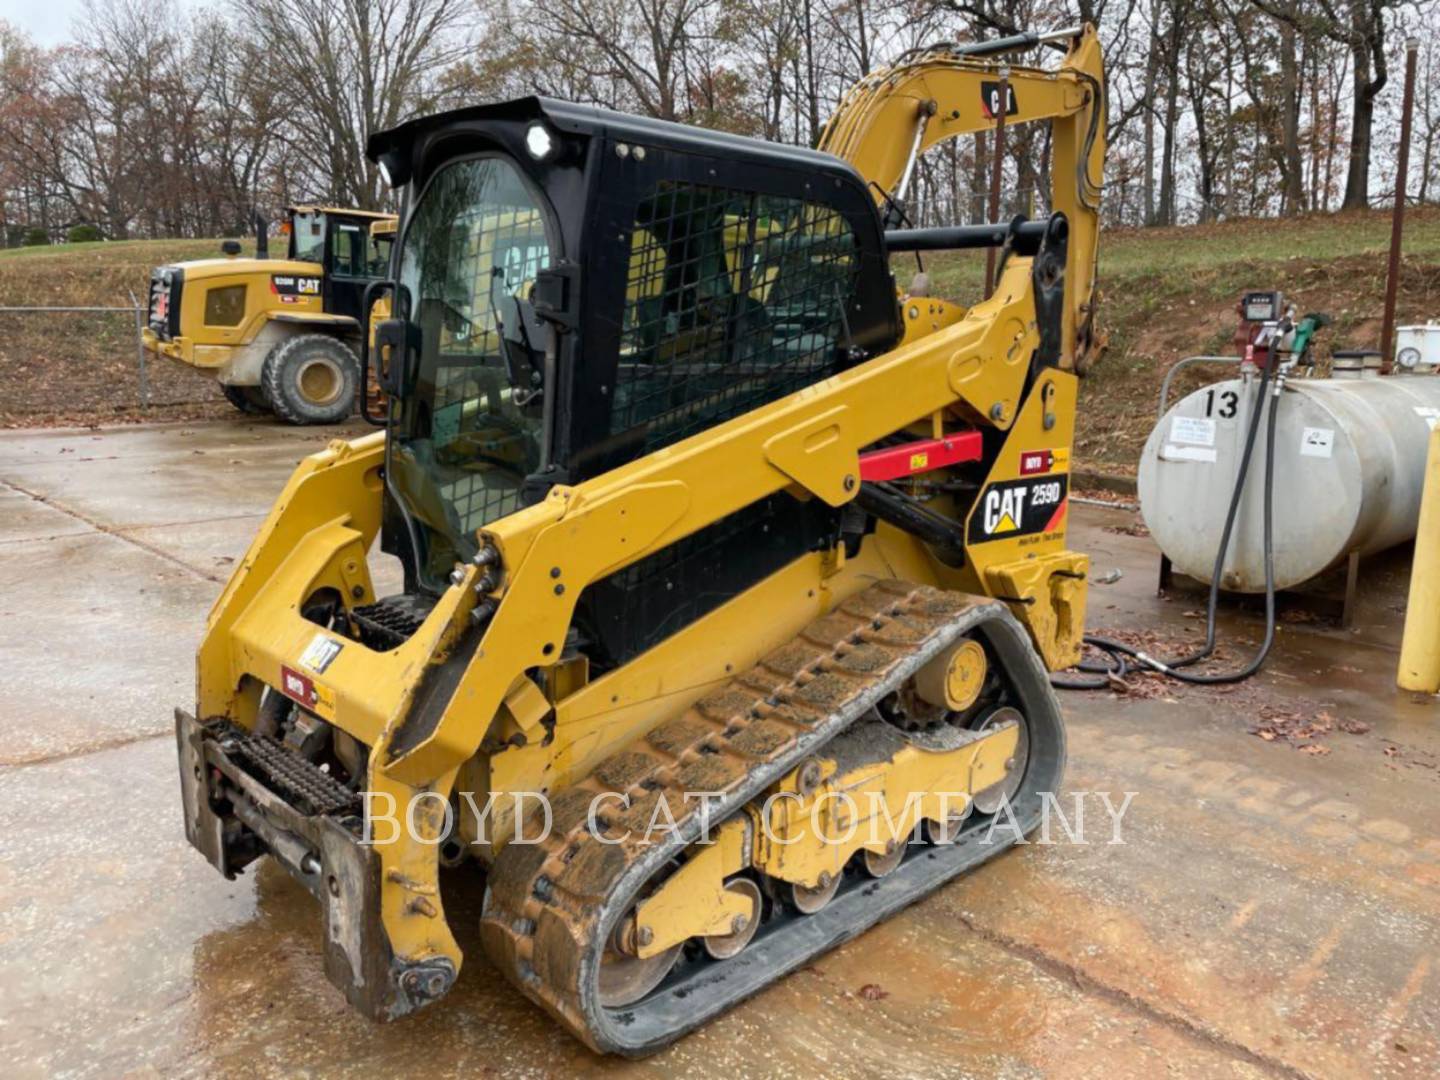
1349, 466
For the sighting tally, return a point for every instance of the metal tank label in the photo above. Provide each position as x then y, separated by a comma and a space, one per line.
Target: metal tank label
1014, 508
1188, 453
1317, 442
1192, 431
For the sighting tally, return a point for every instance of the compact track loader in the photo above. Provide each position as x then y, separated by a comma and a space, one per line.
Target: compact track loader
732, 574
281, 335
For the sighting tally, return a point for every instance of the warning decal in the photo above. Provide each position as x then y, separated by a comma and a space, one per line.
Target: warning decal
1317, 442
1012, 508
298, 687
319, 654
1034, 462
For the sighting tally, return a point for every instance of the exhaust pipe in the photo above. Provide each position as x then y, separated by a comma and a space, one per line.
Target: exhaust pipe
262, 237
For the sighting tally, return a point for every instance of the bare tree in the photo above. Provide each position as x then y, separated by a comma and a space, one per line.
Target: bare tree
1360, 26
346, 68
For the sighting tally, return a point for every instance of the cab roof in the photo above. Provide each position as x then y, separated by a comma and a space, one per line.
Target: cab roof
590, 120
345, 211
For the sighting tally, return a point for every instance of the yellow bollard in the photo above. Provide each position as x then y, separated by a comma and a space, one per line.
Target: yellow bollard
1420, 648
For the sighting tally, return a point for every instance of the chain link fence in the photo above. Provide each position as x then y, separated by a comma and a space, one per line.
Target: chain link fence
88, 364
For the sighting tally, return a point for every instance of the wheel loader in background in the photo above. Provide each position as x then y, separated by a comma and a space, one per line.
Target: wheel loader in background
702, 521
282, 336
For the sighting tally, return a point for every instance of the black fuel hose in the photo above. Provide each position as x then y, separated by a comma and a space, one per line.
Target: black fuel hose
1118, 652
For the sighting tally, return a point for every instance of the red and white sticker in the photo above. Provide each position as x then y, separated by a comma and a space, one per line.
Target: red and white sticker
298, 687
1036, 462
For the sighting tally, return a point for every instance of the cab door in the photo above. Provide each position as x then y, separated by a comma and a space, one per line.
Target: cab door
347, 269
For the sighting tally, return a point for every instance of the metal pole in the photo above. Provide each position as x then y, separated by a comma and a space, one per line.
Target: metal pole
140, 351
1397, 222
1420, 647
996, 172
978, 197
1175, 370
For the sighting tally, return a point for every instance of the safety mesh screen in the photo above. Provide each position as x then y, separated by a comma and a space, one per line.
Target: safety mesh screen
733, 299
643, 604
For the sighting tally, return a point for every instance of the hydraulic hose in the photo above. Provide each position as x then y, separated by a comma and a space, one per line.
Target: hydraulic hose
1118, 652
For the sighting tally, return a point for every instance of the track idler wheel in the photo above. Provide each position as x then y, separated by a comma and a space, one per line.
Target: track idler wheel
625, 978
948, 831
808, 899
724, 946
880, 863
992, 798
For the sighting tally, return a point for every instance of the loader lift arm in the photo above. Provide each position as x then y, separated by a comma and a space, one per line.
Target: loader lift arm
895, 114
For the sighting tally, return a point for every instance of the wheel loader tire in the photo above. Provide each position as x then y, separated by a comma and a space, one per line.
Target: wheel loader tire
250, 400
312, 379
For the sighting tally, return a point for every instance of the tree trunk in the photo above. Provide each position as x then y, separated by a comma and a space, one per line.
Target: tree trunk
1202, 146
1174, 40
812, 92
978, 179
1362, 122
1152, 68
1293, 196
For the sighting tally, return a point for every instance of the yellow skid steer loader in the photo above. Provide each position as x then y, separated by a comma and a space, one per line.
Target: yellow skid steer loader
732, 573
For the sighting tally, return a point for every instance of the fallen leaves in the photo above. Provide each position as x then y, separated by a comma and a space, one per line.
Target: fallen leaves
1136, 529
1303, 730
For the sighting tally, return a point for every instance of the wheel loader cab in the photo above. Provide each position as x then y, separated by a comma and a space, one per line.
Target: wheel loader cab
350, 253
579, 289
280, 334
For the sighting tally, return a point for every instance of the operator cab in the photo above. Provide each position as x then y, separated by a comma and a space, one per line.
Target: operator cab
576, 289
343, 243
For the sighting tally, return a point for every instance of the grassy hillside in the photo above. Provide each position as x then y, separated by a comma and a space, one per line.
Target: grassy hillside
81, 368
1170, 293
1165, 294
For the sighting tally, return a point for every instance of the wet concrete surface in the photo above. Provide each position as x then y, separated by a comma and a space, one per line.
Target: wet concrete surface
1271, 911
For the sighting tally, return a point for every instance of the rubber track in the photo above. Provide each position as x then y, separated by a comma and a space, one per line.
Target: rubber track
549, 905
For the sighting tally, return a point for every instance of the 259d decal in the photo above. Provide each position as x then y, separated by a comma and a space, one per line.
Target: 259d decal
1012, 508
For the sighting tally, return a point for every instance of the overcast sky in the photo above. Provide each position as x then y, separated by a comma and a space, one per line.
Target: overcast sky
47, 21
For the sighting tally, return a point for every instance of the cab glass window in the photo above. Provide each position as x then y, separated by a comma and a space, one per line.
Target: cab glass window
307, 237
380, 254
348, 259
471, 426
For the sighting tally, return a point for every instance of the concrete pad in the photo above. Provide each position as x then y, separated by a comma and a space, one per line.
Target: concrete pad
25, 518
98, 638
163, 474
170, 969
1235, 908
211, 547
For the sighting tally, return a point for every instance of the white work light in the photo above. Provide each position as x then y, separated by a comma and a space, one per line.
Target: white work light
539, 141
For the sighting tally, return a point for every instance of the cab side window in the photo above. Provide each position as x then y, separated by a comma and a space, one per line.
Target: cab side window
348, 259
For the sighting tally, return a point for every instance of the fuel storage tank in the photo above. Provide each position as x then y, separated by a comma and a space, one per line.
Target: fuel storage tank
1349, 466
